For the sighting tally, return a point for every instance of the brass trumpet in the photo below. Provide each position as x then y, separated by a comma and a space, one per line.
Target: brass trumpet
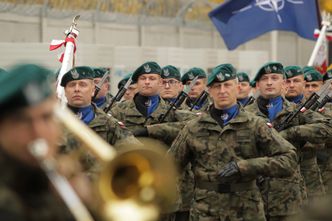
326, 5
138, 181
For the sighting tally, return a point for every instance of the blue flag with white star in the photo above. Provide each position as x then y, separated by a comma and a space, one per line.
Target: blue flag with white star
239, 21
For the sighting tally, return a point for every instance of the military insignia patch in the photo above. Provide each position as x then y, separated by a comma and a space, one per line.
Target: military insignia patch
191, 76
268, 70
121, 124
289, 74
224, 117
220, 77
241, 78
329, 74
32, 92
227, 75
75, 74
79, 115
147, 68
274, 68
166, 72
309, 77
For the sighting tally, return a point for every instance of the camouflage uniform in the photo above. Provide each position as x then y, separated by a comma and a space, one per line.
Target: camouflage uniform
107, 102
284, 197
26, 194
188, 104
107, 128
209, 147
133, 119
309, 167
324, 156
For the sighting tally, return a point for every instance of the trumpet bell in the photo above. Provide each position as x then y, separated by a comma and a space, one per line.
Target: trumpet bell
326, 5
145, 176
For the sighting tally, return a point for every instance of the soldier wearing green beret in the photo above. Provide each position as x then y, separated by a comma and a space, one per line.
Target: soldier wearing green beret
310, 171
104, 96
197, 89
27, 105
147, 107
294, 84
172, 85
79, 89
132, 89
2, 71
284, 197
245, 88
314, 81
305, 69
228, 148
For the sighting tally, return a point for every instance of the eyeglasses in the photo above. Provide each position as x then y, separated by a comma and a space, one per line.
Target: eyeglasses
170, 82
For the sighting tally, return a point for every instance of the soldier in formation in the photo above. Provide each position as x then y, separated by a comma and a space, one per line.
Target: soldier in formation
236, 163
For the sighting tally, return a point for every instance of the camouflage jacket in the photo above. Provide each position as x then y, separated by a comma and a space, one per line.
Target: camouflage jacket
285, 196
128, 113
308, 126
247, 138
108, 128
26, 194
107, 102
187, 105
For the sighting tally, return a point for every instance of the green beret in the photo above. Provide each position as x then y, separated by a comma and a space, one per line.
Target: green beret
2, 71
124, 80
327, 75
313, 75
222, 73
305, 69
23, 86
99, 72
192, 73
149, 67
293, 71
253, 84
77, 73
268, 68
170, 71
243, 77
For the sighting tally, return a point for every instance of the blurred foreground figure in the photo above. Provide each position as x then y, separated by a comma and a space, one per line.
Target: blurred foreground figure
26, 114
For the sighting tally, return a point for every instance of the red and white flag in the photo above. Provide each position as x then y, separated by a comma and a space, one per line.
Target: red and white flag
321, 60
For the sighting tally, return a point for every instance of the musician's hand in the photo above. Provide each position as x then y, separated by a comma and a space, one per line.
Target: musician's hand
229, 173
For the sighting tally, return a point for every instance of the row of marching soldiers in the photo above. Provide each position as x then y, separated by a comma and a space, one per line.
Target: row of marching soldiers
238, 158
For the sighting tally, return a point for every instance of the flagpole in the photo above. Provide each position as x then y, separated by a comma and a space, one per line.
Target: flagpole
274, 45
319, 42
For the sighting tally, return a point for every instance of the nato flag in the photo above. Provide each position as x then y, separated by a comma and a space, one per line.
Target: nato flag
239, 21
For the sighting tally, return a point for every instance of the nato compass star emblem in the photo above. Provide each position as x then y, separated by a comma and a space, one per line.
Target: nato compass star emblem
166, 72
147, 68
75, 74
270, 6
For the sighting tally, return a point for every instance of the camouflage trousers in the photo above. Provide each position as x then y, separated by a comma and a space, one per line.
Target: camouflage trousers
238, 206
312, 178
282, 197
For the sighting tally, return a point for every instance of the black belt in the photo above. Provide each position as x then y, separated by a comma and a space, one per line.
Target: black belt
226, 188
